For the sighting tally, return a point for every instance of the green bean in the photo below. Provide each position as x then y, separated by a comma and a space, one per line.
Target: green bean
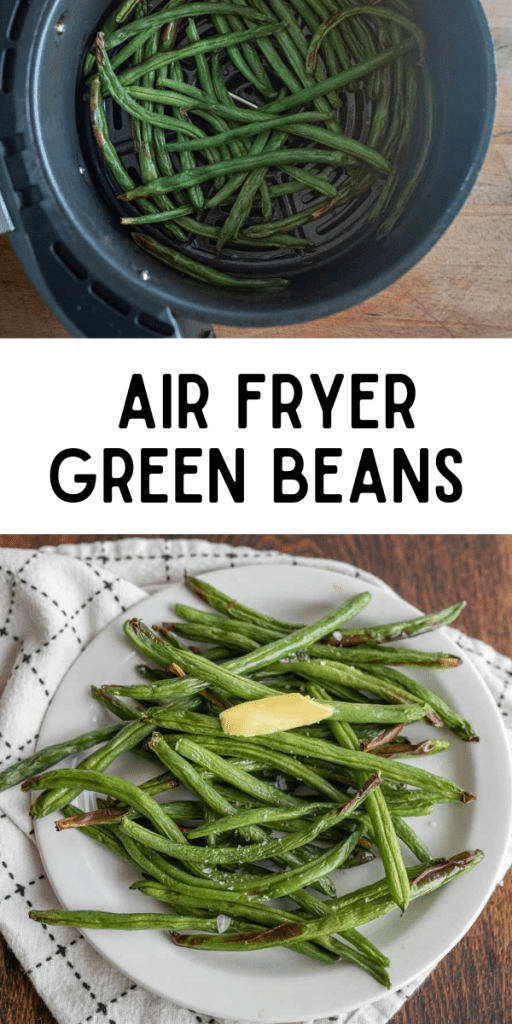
175, 11
336, 679
295, 48
383, 830
115, 18
313, 905
155, 675
269, 848
331, 57
153, 864
206, 893
203, 73
298, 640
341, 677
291, 222
157, 649
209, 816
257, 76
275, 61
144, 29
199, 270
235, 776
283, 241
251, 912
160, 784
259, 815
407, 749
188, 162
344, 78
364, 654
365, 954
331, 158
103, 815
342, 142
131, 49
215, 598
375, 12
243, 131
384, 834
150, 148
206, 857
126, 739
311, 92
413, 180
377, 890
124, 922
124, 11
425, 881
249, 50
242, 206
277, 240
188, 774
104, 836
51, 755
130, 105
111, 785
349, 712
167, 41
286, 188
287, 765
261, 82
225, 100
160, 217
389, 631
289, 742
412, 840
400, 630
110, 155
399, 134
296, 879
459, 725
126, 712
209, 45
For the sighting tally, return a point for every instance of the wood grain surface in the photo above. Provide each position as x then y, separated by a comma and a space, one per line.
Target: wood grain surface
472, 984
462, 288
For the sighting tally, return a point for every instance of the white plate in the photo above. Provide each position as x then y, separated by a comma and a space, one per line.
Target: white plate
279, 985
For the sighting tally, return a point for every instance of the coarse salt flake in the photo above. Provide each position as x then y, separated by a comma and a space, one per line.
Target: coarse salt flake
223, 923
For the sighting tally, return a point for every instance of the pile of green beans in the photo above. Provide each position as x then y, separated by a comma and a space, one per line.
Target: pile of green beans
262, 817
199, 147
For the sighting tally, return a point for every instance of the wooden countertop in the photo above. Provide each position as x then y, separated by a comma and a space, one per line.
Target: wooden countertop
462, 288
472, 984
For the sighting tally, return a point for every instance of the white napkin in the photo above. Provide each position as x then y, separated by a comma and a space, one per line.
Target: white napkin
52, 603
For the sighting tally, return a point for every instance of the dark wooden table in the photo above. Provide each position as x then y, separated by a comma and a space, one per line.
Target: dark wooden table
472, 984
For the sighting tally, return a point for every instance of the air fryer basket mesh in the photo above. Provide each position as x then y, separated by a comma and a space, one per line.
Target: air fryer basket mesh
335, 234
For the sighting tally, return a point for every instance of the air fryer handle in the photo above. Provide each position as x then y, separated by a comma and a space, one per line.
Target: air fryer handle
180, 325
6, 224
192, 328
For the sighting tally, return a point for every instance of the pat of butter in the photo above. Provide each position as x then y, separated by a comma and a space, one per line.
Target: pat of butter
272, 714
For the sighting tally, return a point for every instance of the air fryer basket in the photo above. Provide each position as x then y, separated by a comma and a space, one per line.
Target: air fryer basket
60, 198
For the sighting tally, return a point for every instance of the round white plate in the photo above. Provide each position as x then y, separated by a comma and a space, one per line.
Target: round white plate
279, 985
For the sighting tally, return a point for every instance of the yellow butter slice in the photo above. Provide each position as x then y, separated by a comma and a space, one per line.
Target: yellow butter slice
273, 714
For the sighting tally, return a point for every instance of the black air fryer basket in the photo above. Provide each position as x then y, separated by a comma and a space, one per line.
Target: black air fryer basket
57, 199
